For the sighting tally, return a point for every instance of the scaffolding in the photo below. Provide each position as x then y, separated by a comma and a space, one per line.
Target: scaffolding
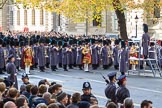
153, 62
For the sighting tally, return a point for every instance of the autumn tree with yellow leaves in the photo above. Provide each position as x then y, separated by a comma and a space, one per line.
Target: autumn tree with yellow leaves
87, 10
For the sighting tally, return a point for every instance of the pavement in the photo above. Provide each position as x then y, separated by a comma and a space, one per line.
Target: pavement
143, 86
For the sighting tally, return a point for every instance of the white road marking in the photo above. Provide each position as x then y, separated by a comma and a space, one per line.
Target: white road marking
46, 78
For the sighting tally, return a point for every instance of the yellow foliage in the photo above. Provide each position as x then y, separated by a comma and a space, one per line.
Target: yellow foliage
79, 10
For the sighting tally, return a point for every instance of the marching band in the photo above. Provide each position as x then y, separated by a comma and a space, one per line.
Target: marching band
53, 50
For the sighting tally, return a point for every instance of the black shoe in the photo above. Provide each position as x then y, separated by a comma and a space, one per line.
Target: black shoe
80, 68
42, 70
53, 70
2, 73
141, 67
65, 70
32, 68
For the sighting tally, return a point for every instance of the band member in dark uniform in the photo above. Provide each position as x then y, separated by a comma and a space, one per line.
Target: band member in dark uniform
145, 41
79, 55
11, 70
111, 88
41, 55
65, 59
123, 58
2, 58
95, 55
116, 55
53, 55
105, 54
122, 92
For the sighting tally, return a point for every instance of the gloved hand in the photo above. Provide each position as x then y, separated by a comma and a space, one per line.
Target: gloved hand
107, 82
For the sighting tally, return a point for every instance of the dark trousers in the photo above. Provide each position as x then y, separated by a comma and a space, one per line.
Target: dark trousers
80, 67
35, 65
105, 66
94, 66
47, 65
18, 68
70, 66
122, 73
74, 65
32, 67
116, 67
1, 69
53, 68
41, 68
60, 64
4, 68
65, 67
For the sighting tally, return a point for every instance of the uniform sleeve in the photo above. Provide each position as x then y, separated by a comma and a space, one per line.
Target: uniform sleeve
126, 94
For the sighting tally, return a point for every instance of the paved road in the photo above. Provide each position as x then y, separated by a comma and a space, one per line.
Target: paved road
141, 87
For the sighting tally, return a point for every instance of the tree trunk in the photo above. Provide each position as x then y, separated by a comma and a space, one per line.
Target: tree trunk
121, 19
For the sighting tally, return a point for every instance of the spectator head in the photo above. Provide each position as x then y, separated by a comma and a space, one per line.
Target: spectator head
13, 92
47, 97
86, 88
34, 90
76, 97
128, 103
62, 98
44, 81
57, 88
42, 89
9, 104
22, 88
25, 78
2, 87
11, 58
122, 80
111, 105
84, 104
53, 105
28, 87
21, 102
146, 104
41, 105
112, 76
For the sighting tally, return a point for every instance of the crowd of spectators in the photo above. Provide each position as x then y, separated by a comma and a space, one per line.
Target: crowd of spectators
51, 95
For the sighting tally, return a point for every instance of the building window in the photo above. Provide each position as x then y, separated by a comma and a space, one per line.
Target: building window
41, 17
11, 17
59, 20
116, 23
97, 21
25, 17
18, 17
33, 17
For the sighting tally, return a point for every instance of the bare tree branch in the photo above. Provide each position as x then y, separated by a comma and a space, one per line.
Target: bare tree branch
3, 3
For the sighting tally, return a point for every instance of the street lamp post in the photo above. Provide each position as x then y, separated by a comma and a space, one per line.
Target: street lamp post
136, 20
